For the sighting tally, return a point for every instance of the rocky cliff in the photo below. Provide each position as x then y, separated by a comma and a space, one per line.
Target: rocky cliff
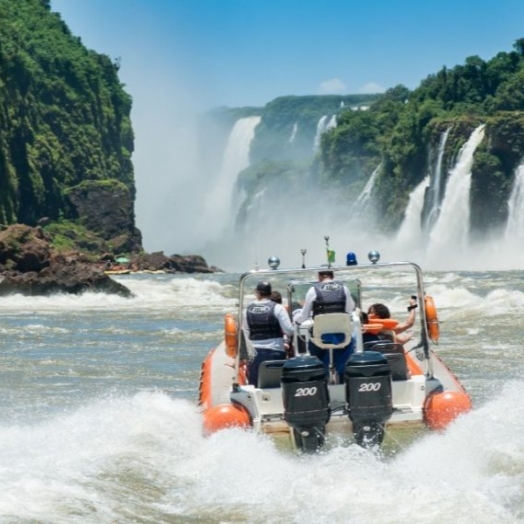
65, 132
397, 139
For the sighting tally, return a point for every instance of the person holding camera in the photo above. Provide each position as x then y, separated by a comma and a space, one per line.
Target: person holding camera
382, 311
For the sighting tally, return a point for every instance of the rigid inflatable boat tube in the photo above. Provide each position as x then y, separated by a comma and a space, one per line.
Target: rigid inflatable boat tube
231, 335
224, 416
204, 389
440, 409
431, 318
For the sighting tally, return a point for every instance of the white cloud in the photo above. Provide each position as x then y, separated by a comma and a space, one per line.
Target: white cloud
371, 88
335, 86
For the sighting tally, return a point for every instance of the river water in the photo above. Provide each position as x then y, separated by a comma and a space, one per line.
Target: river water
99, 422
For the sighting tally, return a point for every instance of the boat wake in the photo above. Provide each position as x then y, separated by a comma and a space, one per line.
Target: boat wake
143, 459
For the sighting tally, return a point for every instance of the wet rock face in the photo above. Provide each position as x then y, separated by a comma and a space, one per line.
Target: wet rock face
32, 267
74, 278
175, 263
107, 208
24, 248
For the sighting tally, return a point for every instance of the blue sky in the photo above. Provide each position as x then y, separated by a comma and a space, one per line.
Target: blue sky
179, 57
247, 52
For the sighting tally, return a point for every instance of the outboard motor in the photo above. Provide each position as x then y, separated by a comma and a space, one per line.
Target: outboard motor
306, 400
368, 396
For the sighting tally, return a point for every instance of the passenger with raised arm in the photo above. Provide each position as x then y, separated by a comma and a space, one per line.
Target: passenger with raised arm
381, 311
265, 323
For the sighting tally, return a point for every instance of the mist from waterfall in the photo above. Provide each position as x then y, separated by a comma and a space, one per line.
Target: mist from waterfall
283, 218
449, 237
222, 203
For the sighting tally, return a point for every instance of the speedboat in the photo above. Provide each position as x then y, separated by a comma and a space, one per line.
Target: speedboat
387, 388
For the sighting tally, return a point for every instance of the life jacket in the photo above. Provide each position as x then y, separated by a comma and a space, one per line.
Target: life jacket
262, 321
330, 298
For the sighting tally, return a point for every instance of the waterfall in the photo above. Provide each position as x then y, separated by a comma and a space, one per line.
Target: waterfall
515, 225
221, 203
361, 203
452, 226
322, 126
410, 231
436, 188
293, 133
332, 123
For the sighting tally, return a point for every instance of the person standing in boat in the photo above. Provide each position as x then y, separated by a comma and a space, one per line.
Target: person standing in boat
328, 296
265, 323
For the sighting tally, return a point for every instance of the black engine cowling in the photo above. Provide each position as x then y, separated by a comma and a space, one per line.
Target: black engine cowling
306, 400
368, 395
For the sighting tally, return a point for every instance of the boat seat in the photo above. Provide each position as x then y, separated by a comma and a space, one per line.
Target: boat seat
269, 373
395, 355
387, 334
332, 330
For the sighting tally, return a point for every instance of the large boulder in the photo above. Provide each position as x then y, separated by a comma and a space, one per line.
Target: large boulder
74, 278
24, 248
190, 264
173, 264
32, 267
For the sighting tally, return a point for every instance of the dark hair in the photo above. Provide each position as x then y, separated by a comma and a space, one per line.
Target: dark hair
276, 296
264, 288
326, 273
379, 310
364, 319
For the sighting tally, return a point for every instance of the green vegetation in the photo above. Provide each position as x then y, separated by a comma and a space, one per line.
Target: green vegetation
400, 132
64, 116
70, 235
66, 138
297, 117
66, 234
400, 129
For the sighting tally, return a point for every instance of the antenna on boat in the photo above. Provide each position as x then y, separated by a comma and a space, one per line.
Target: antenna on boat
329, 252
303, 252
256, 256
